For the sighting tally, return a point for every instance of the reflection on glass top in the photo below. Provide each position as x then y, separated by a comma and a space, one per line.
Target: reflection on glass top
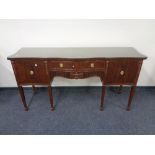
78, 52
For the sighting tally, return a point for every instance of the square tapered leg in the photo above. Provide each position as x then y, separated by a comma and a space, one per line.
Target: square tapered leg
21, 92
51, 97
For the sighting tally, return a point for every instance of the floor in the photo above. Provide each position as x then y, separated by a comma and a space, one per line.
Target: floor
77, 112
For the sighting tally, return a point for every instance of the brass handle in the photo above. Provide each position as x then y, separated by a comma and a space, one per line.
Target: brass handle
61, 65
122, 72
31, 72
73, 66
92, 65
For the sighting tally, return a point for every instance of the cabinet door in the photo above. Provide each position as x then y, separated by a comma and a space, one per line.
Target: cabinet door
122, 71
31, 71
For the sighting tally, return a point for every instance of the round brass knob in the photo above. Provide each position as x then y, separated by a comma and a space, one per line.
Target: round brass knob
122, 72
35, 65
92, 65
31, 72
73, 66
61, 65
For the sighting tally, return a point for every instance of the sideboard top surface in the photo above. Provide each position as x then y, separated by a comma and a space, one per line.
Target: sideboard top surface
78, 52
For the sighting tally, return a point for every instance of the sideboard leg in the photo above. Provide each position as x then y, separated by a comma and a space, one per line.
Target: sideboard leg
102, 98
51, 97
21, 91
132, 91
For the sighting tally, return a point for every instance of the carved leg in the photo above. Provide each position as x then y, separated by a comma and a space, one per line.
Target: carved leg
21, 91
102, 97
51, 97
34, 89
132, 91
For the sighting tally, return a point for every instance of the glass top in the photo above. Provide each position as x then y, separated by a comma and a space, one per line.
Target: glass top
77, 52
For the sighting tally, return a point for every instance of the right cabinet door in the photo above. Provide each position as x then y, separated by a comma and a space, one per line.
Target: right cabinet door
122, 71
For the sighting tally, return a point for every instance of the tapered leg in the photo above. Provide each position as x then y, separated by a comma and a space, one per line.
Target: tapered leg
21, 91
132, 91
34, 89
51, 97
102, 98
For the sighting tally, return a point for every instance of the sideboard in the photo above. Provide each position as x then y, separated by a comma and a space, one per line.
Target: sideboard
113, 65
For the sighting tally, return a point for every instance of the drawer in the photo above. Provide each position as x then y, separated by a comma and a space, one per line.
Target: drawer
30, 71
76, 65
122, 71
91, 65
76, 74
61, 65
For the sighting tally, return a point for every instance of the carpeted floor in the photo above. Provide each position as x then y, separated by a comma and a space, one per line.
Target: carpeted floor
77, 112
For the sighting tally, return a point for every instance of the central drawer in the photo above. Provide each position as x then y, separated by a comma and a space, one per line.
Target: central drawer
61, 65
80, 65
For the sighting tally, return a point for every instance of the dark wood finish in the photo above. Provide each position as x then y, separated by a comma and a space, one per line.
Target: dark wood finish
112, 69
102, 97
51, 97
31, 72
75, 65
122, 71
21, 92
132, 91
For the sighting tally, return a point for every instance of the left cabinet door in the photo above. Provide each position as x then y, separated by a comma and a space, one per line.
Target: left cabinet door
31, 72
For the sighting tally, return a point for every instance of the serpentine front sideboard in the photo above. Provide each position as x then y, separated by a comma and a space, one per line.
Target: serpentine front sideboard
114, 65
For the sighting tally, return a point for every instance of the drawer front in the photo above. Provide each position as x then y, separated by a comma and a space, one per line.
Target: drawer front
76, 65
30, 71
76, 74
91, 65
122, 71
60, 65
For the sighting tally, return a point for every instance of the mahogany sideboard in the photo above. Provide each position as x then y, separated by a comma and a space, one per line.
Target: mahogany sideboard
114, 65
